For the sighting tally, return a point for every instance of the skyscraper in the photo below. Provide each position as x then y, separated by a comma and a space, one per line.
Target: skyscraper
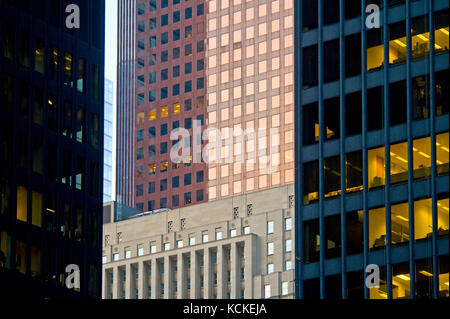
126, 101
108, 143
170, 91
372, 143
250, 95
51, 137
229, 66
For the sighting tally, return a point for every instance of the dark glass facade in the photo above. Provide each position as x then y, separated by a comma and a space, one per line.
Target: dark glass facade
51, 148
372, 149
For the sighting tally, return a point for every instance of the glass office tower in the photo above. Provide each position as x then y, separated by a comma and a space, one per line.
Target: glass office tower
51, 148
372, 148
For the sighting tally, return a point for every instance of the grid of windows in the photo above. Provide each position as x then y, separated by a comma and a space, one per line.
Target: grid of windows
250, 86
375, 198
51, 150
172, 57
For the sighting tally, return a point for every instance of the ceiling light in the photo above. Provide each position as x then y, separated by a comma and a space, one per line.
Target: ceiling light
422, 37
426, 273
402, 218
400, 43
445, 148
404, 277
424, 154
401, 159
444, 31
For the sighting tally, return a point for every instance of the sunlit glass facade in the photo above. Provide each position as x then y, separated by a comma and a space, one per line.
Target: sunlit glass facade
372, 149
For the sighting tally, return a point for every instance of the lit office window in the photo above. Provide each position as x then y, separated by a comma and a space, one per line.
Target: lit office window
401, 281
442, 153
376, 167
377, 228
399, 223
22, 199
397, 43
422, 158
399, 163
375, 49
423, 221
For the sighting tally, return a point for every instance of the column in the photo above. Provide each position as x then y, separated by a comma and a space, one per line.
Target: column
105, 279
235, 271
207, 274
181, 277
167, 278
195, 276
249, 270
116, 282
154, 279
221, 273
128, 283
142, 280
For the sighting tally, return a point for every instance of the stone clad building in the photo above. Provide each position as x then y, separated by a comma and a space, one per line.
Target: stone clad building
238, 247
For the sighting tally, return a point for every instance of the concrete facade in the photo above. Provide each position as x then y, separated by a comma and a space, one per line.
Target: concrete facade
238, 247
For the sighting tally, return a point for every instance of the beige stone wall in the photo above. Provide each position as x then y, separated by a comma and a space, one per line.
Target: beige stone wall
141, 243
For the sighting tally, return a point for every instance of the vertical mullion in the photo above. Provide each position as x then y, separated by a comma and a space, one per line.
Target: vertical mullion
298, 155
433, 153
364, 142
321, 159
342, 149
387, 171
410, 150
